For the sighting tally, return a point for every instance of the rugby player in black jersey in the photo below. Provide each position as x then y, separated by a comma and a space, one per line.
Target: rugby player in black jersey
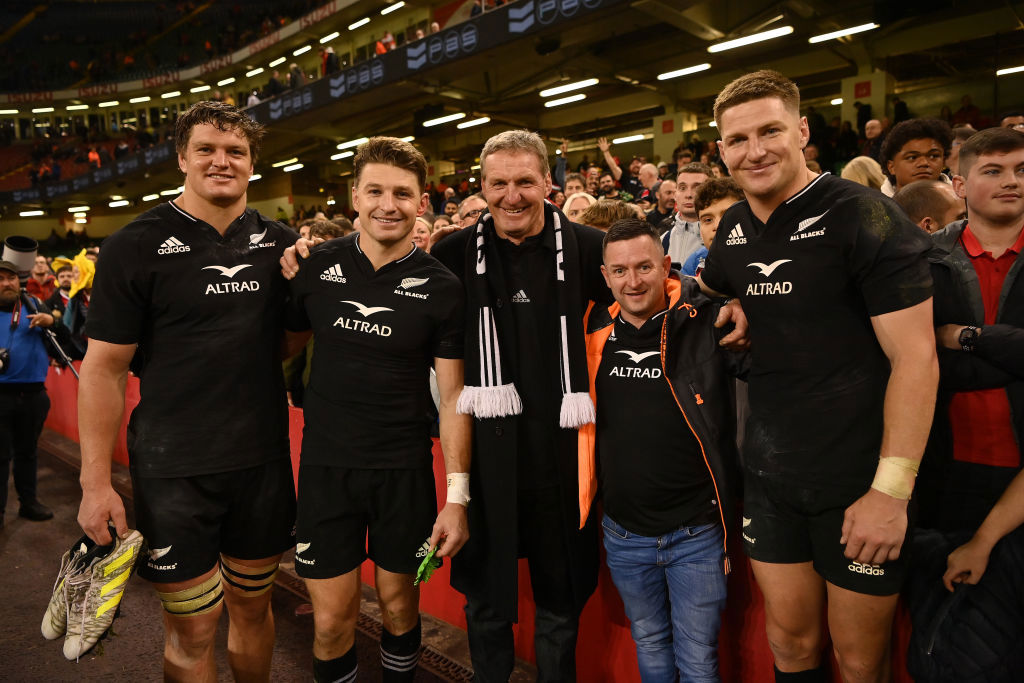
193, 288
382, 312
835, 283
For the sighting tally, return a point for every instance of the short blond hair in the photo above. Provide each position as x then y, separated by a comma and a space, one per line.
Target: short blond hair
757, 86
516, 141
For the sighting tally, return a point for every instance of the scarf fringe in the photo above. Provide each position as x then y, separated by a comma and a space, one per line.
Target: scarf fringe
484, 402
577, 410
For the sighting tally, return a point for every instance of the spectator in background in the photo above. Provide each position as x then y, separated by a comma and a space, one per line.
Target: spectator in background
41, 281
1012, 119
274, 85
254, 98
602, 213
23, 400
712, 199
77, 311
441, 222
915, 150
576, 204
470, 209
665, 203
961, 134
968, 114
296, 79
451, 206
865, 171
574, 183
420, 234
873, 138
971, 490
628, 180
325, 230
682, 235
931, 204
58, 301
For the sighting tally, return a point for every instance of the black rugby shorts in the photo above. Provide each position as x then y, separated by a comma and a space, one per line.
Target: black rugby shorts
787, 524
346, 515
188, 522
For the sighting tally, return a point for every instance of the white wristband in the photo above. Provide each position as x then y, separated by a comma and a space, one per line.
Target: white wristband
458, 488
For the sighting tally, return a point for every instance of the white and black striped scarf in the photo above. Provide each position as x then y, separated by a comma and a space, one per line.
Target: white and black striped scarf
489, 388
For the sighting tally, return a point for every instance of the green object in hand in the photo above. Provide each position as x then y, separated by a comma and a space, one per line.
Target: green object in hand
429, 563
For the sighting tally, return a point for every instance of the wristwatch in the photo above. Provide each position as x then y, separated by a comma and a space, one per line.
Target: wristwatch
969, 337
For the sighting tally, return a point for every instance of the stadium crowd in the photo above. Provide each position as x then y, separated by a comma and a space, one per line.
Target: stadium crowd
897, 357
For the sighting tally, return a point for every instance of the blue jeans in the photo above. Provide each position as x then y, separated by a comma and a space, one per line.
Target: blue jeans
673, 589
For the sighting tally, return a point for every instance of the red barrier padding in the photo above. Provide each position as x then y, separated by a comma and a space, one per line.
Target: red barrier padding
605, 652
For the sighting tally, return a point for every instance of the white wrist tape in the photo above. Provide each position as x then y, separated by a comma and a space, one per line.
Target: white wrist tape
895, 477
458, 488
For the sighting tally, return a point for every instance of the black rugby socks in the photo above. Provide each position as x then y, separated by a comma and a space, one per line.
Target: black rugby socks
342, 669
400, 654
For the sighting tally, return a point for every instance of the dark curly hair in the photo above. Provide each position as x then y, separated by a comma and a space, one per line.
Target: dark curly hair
914, 129
224, 117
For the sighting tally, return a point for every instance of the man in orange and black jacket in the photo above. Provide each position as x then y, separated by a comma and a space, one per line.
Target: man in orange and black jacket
664, 452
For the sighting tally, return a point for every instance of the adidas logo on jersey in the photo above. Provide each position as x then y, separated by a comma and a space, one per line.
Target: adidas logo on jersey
172, 245
520, 297
736, 236
333, 274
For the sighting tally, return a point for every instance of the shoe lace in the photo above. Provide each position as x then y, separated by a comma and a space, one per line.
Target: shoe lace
77, 597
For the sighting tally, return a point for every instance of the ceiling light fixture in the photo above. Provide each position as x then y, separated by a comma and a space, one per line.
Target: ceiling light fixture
302, 50
226, 81
111, 103
1009, 70
285, 162
139, 100
77, 107
199, 88
277, 62
328, 38
841, 33
568, 87
342, 155
444, 119
475, 122
293, 167
565, 100
169, 95
29, 214
255, 72
352, 143
747, 40
77, 209
362, 22
119, 202
684, 71
393, 7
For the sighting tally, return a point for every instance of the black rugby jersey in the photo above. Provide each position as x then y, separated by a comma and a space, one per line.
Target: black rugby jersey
828, 259
376, 335
207, 312
653, 474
